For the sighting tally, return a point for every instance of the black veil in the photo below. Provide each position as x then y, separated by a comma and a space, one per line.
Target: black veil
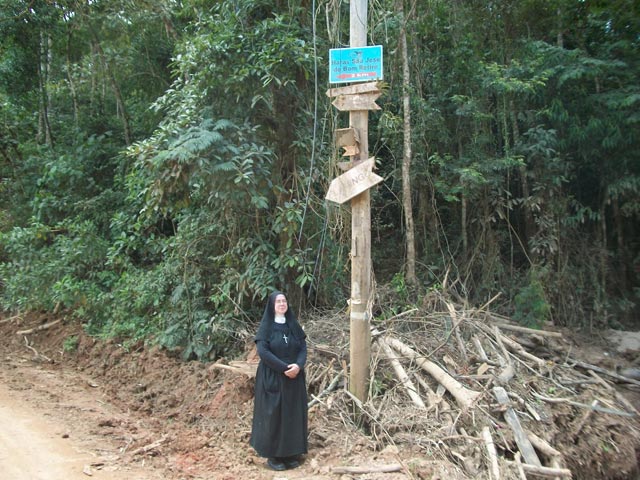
268, 318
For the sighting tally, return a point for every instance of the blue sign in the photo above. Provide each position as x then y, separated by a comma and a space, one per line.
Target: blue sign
361, 64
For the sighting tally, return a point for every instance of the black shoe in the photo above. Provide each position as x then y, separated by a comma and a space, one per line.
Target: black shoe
291, 462
275, 464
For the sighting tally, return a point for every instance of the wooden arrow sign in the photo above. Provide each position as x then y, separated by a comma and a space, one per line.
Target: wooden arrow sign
351, 151
360, 101
353, 182
353, 89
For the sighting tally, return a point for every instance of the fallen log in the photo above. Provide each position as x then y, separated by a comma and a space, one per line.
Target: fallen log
524, 445
543, 446
515, 347
394, 467
520, 467
464, 397
516, 328
405, 381
595, 368
39, 328
245, 368
330, 388
546, 472
491, 453
454, 317
11, 319
151, 446
597, 408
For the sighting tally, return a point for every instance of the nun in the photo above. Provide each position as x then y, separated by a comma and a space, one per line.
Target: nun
279, 428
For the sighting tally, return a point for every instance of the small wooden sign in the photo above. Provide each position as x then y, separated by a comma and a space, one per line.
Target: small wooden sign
351, 151
348, 138
353, 182
353, 89
355, 102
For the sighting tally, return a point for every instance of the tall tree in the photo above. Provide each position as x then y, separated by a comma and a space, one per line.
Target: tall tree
407, 149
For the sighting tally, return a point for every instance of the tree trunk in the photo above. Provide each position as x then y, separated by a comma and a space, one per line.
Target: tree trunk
464, 396
528, 221
114, 86
285, 109
560, 36
72, 85
44, 128
463, 211
427, 219
601, 306
623, 260
407, 153
463, 224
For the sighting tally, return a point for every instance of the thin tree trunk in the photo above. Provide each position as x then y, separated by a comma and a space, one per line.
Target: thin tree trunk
529, 224
623, 259
463, 224
114, 85
45, 61
72, 85
560, 36
427, 221
602, 288
285, 163
407, 153
463, 211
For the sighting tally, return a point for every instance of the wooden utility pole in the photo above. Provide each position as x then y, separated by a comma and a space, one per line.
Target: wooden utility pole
348, 65
360, 336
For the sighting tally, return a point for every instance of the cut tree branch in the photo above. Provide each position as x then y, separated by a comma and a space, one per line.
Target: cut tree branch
491, 452
524, 445
401, 374
37, 329
464, 397
394, 467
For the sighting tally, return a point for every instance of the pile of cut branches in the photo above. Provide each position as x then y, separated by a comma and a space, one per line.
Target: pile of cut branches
499, 400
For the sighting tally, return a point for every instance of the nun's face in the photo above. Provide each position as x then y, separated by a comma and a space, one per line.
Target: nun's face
281, 305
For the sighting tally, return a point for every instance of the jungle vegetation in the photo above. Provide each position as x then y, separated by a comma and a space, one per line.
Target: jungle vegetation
164, 162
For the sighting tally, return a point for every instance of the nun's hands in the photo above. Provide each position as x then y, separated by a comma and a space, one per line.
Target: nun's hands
292, 371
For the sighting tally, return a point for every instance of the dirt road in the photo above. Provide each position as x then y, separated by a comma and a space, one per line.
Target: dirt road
31, 447
46, 430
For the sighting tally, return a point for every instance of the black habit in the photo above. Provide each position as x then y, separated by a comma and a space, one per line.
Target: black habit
280, 407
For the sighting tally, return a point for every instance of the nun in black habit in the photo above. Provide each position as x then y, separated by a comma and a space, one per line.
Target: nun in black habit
279, 430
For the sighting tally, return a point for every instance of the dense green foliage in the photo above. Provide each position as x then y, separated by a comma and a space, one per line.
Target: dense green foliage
164, 163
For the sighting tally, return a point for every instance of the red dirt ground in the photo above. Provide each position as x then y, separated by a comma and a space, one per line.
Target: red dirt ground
138, 413
142, 414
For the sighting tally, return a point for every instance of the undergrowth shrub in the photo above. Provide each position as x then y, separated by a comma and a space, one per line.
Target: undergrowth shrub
44, 267
531, 306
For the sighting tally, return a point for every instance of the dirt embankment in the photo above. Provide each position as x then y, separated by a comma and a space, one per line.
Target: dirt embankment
140, 413
143, 414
